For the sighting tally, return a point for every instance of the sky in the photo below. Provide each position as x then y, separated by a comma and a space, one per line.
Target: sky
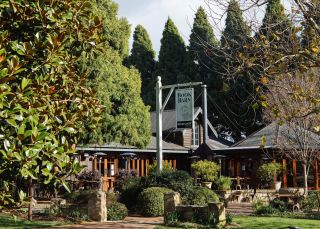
153, 14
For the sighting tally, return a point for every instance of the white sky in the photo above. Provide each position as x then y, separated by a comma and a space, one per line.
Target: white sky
152, 14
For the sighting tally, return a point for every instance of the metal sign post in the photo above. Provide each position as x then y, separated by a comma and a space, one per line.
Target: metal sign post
159, 110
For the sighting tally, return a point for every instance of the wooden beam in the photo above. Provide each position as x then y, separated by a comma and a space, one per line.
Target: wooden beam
142, 168
238, 168
147, 167
138, 167
294, 171
316, 175
105, 171
94, 165
284, 177
133, 164
116, 166
174, 164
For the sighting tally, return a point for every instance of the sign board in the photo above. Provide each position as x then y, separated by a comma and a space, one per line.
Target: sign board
184, 108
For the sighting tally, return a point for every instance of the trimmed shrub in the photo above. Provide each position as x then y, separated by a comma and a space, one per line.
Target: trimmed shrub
117, 211
151, 201
200, 196
312, 201
223, 183
279, 205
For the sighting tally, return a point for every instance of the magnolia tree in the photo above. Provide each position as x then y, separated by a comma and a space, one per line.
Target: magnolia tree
43, 98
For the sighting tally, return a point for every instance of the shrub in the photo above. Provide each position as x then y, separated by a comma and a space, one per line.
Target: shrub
206, 170
179, 181
200, 196
279, 205
129, 189
166, 167
259, 208
117, 211
223, 183
78, 197
312, 201
110, 199
266, 171
151, 201
229, 218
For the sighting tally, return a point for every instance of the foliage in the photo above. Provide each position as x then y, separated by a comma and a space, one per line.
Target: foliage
200, 196
178, 180
206, 170
79, 197
129, 190
125, 119
266, 171
171, 55
204, 219
151, 201
111, 198
172, 218
44, 100
312, 201
229, 218
117, 211
142, 57
223, 183
166, 167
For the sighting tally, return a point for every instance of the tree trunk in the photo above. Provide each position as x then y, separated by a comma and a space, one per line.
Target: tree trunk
30, 190
305, 179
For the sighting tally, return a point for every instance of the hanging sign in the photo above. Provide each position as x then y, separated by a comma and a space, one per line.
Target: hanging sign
184, 108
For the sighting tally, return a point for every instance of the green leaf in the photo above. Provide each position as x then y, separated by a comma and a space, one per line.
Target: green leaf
17, 156
21, 129
65, 185
24, 83
12, 122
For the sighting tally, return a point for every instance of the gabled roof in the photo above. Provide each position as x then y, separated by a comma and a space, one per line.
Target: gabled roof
169, 120
167, 147
273, 135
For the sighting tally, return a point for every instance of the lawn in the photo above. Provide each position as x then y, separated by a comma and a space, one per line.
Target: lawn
274, 222
252, 222
7, 221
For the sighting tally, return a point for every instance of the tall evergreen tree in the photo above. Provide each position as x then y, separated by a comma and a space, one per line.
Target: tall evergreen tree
276, 26
172, 54
200, 62
236, 32
126, 119
142, 57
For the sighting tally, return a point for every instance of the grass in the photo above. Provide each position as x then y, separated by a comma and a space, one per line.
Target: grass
8, 221
256, 222
274, 222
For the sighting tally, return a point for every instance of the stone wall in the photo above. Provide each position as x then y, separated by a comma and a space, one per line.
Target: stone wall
172, 203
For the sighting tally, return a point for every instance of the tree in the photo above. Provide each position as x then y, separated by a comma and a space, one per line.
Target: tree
200, 67
142, 58
44, 100
172, 55
288, 107
125, 118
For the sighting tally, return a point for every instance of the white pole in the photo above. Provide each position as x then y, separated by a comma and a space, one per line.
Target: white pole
159, 124
205, 117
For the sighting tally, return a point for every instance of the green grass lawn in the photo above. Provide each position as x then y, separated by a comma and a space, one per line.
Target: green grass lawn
7, 221
274, 222
252, 222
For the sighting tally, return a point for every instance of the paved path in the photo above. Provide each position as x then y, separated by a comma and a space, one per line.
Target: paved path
240, 208
128, 223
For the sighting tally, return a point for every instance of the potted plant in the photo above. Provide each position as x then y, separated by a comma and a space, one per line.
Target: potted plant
266, 173
207, 171
223, 183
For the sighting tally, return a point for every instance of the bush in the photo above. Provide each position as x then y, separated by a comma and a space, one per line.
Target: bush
279, 205
206, 170
117, 211
110, 199
312, 201
78, 197
229, 218
151, 201
266, 171
166, 167
129, 189
223, 183
200, 196
179, 181
259, 208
